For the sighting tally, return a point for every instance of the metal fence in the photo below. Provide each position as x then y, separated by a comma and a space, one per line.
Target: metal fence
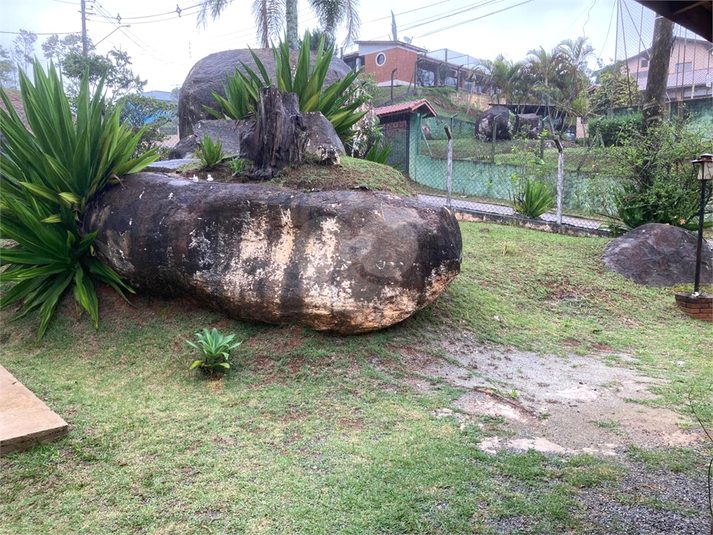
486, 176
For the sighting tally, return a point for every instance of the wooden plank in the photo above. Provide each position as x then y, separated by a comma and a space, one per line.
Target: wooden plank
24, 419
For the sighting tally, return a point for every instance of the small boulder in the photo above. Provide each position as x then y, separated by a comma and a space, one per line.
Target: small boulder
496, 117
659, 255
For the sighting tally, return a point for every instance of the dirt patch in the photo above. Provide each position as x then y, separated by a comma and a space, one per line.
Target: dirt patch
572, 404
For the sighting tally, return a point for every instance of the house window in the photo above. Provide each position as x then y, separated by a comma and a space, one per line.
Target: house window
644, 63
684, 67
380, 59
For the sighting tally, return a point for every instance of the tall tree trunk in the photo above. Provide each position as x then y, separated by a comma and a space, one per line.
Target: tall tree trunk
292, 24
658, 74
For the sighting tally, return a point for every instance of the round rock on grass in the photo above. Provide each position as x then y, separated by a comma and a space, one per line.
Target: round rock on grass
659, 255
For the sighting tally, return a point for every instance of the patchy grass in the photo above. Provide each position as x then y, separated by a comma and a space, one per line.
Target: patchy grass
307, 435
352, 173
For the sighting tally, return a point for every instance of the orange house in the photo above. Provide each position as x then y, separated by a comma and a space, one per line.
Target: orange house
386, 59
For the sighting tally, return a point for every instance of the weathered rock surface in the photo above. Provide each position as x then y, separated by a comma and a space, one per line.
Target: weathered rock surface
528, 124
209, 75
349, 262
497, 116
320, 138
658, 255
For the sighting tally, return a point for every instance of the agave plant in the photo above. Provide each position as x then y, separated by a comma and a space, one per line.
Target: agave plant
48, 174
338, 102
533, 198
214, 349
210, 153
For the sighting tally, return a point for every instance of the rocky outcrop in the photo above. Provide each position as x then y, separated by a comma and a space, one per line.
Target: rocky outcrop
528, 124
321, 141
349, 262
209, 75
658, 255
496, 117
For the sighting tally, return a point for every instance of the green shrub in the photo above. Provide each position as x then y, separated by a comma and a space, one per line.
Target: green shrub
338, 102
215, 351
614, 131
210, 154
239, 166
660, 184
48, 174
379, 154
533, 198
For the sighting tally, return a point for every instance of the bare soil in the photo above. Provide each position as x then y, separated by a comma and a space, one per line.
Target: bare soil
572, 404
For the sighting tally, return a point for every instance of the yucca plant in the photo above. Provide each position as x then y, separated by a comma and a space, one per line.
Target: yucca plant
378, 154
338, 102
533, 198
215, 351
48, 174
210, 153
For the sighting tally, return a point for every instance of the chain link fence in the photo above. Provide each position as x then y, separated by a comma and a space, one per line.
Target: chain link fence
487, 175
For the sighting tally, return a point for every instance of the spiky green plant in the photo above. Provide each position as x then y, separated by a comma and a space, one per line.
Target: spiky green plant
378, 154
210, 153
533, 198
338, 102
48, 174
215, 351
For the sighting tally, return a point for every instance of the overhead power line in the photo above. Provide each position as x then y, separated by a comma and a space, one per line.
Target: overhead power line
473, 20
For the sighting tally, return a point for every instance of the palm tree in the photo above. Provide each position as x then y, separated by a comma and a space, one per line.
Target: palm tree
272, 15
500, 74
572, 59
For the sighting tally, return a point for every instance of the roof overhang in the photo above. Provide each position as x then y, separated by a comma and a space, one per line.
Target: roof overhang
421, 106
695, 16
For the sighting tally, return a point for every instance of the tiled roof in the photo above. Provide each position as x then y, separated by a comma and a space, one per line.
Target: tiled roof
421, 106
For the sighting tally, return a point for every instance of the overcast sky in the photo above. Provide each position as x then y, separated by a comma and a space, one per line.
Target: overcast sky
164, 48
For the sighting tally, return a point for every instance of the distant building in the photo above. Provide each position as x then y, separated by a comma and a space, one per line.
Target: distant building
380, 58
411, 64
690, 72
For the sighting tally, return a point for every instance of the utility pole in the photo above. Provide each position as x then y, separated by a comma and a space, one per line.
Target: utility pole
84, 27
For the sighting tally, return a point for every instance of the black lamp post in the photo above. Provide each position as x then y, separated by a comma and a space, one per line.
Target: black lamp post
705, 173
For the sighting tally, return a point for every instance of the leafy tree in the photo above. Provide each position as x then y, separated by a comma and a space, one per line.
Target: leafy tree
23, 49
146, 116
6, 67
272, 15
55, 48
175, 93
615, 90
114, 68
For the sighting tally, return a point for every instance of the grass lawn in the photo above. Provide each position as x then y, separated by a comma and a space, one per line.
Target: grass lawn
308, 434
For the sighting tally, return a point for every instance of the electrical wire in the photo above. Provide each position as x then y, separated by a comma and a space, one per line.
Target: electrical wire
473, 20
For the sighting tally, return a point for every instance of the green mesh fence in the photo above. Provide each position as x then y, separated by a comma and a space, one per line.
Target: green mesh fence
486, 175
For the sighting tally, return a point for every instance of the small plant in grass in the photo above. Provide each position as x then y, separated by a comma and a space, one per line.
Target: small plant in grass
533, 198
378, 154
215, 351
239, 166
210, 153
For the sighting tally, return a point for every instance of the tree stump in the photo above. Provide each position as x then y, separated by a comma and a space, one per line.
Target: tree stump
279, 136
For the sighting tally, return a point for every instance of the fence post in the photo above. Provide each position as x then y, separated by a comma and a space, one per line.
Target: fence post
495, 134
560, 179
449, 168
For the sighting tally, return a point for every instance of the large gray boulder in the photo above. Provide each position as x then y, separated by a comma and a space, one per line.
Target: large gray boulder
209, 75
658, 255
497, 116
528, 124
343, 261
